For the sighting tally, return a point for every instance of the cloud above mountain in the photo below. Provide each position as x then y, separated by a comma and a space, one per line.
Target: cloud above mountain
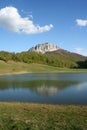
11, 19
82, 51
81, 22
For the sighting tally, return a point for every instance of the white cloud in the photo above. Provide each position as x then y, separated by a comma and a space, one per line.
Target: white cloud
11, 20
82, 51
78, 50
81, 22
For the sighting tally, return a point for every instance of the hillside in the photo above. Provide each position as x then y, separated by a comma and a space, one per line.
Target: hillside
60, 57
64, 54
49, 48
12, 67
47, 54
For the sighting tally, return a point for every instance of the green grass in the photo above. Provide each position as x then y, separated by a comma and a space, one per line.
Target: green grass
25, 116
20, 67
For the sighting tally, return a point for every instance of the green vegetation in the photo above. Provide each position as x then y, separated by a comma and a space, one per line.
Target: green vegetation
12, 67
62, 59
25, 116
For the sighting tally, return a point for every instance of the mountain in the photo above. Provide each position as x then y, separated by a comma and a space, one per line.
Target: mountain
50, 54
55, 56
49, 48
45, 47
66, 53
52, 49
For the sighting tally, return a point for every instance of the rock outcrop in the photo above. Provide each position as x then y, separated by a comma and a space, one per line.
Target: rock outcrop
45, 47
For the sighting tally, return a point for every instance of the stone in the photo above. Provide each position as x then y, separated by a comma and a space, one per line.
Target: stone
45, 47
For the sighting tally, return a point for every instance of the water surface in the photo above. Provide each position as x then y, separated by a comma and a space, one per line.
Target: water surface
61, 88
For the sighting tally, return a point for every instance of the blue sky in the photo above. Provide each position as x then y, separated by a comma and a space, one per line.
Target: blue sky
25, 23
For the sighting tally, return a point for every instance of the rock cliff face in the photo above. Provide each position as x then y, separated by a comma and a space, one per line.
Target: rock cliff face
45, 47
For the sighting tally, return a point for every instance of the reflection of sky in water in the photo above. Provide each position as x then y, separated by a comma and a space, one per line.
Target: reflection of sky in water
82, 86
47, 88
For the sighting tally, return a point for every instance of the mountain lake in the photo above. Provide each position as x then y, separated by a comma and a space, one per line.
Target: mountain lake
50, 88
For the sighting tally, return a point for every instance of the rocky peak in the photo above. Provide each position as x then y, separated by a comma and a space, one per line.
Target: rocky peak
44, 47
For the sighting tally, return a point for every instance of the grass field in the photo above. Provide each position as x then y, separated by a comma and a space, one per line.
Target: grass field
19, 67
25, 116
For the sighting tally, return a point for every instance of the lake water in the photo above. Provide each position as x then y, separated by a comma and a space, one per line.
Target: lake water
54, 88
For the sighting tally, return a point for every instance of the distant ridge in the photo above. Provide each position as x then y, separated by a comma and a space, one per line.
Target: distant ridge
49, 48
44, 47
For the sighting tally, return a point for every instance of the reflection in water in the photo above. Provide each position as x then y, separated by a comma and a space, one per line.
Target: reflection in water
49, 87
48, 91
82, 86
45, 88
42, 87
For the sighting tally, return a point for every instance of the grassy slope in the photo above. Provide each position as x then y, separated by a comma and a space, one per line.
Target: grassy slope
25, 116
14, 67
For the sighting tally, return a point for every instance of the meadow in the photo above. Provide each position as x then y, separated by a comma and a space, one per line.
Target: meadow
12, 67
28, 116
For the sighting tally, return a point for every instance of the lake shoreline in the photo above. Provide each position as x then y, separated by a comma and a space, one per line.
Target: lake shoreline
26, 72
13, 103
15, 73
